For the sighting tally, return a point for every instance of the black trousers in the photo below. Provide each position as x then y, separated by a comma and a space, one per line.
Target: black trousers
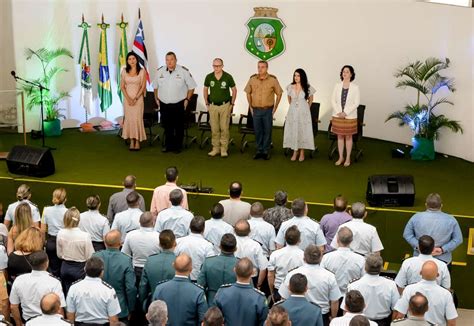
172, 118
54, 261
78, 323
326, 320
98, 245
385, 321
71, 271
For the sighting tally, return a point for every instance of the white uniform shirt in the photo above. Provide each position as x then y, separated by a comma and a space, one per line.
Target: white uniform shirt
176, 219
94, 223
10, 214
196, 247
74, 245
284, 260
50, 320
366, 239
29, 289
141, 243
440, 301
214, 230
409, 273
264, 233
127, 221
322, 286
311, 233
3, 247
346, 320
345, 264
251, 249
380, 295
173, 85
53, 216
92, 300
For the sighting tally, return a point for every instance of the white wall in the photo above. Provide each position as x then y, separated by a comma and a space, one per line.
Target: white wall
7, 59
376, 37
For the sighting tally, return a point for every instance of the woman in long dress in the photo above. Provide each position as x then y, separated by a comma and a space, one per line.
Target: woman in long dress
298, 133
133, 86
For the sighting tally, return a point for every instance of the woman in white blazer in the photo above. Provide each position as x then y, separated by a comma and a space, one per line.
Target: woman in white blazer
345, 100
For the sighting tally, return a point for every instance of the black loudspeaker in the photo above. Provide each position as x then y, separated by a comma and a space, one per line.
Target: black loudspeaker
31, 161
391, 190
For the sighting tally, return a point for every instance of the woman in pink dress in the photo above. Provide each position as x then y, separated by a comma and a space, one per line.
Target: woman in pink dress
133, 86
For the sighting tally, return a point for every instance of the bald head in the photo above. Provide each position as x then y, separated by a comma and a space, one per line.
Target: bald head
244, 270
242, 228
50, 304
256, 210
183, 265
112, 239
429, 271
129, 182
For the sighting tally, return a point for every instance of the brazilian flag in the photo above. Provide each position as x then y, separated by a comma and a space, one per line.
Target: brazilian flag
104, 87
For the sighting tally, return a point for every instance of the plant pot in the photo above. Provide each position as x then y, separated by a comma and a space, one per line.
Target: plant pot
52, 128
423, 149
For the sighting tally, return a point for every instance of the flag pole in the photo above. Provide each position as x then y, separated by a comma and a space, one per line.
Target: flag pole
86, 86
104, 86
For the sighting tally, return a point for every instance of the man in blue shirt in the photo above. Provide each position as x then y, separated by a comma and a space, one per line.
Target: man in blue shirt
442, 227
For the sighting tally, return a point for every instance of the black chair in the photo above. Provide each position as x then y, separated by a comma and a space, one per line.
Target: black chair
245, 128
205, 127
150, 117
190, 121
356, 151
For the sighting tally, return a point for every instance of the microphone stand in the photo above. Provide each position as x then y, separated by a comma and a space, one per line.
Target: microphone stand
41, 88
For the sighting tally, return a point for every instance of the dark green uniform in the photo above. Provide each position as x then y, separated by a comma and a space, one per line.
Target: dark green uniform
215, 272
219, 90
119, 273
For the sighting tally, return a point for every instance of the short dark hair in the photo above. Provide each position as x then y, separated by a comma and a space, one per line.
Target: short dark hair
281, 197
359, 320
351, 69
146, 219
277, 316
298, 283
167, 239
256, 209
235, 189
312, 254
171, 53
418, 304
171, 173
93, 202
213, 317
217, 211
37, 260
292, 235
176, 197
298, 206
228, 243
426, 245
244, 268
354, 301
94, 266
373, 264
132, 198
345, 236
197, 224
340, 203
242, 228
263, 61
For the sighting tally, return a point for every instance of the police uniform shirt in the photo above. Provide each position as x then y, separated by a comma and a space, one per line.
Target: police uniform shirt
302, 312
380, 295
264, 233
284, 260
214, 230
251, 249
196, 247
74, 245
173, 85
411, 321
10, 214
409, 273
345, 264
346, 319
158, 268
322, 286
118, 203
29, 289
94, 223
311, 233
141, 243
92, 300
3, 246
50, 320
53, 216
366, 239
440, 301
176, 219
127, 221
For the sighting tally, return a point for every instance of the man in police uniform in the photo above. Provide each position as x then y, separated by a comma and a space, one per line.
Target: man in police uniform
216, 227
417, 308
91, 300
354, 307
186, 300
119, 273
175, 218
261, 231
174, 87
251, 303
28, 289
51, 312
219, 101
261, 90
158, 267
219, 270
300, 310
128, 220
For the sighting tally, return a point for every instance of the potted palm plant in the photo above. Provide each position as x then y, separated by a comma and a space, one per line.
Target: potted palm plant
51, 99
420, 117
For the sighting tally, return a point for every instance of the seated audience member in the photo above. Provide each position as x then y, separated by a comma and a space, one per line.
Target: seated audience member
94, 223
417, 308
215, 227
53, 221
161, 194
23, 221
279, 213
28, 241
261, 231
331, 222
129, 219
118, 201
157, 314
234, 208
23, 195
175, 218
213, 317
51, 312
278, 316
366, 239
354, 305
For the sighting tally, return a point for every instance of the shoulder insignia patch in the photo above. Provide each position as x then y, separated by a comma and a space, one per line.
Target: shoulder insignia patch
107, 285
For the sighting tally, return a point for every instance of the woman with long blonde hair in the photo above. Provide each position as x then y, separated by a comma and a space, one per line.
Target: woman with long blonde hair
27, 242
23, 220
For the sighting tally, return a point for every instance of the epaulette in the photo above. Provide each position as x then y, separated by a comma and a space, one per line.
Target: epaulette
398, 320
198, 285
185, 68
154, 254
67, 321
279, 302
161, 282
107, 285
353, 280
226, 285
160, 68
254, 75
315, 304
269, 75
259, 292
293, 269
388, 278
76, 281
54, 276
213, 256
359, 253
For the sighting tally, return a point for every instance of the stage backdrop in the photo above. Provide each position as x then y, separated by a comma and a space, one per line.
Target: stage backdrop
376, 37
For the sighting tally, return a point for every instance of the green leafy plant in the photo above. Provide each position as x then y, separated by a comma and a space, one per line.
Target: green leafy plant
51, 99
426, 79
